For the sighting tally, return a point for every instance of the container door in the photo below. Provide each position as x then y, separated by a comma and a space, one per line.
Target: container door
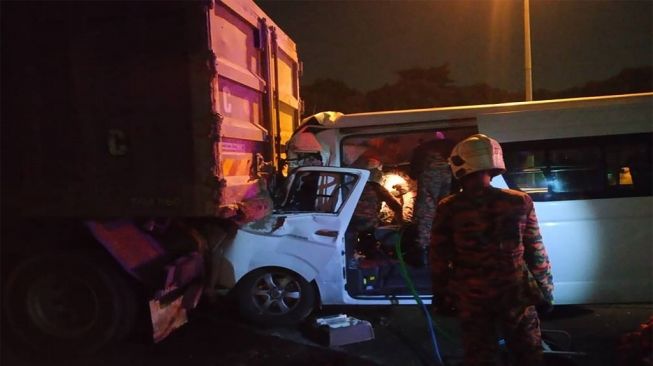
239, 89
255, 92
286, 106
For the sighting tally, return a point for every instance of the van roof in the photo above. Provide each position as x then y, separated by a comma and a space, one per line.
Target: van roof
464, 112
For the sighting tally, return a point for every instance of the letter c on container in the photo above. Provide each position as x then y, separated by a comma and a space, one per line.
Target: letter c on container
117, 142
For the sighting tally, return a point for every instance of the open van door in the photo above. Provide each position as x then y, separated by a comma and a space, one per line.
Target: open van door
274, 261
305, 230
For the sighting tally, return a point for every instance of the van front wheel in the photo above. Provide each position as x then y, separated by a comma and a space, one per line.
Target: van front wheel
274, 296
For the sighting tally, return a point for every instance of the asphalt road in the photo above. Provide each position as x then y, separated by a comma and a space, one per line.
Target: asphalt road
215, 336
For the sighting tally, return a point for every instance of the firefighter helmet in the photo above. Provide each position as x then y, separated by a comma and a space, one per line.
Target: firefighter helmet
476, 153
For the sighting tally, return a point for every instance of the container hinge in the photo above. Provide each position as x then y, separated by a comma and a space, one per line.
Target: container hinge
216, 123
262, 168
210, 63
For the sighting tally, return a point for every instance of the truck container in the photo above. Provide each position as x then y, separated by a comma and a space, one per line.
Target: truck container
141, 108
123, 124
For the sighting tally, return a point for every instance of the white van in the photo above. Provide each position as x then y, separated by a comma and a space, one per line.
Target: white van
585, 162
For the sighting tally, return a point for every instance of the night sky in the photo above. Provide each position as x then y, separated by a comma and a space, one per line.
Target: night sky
364, 43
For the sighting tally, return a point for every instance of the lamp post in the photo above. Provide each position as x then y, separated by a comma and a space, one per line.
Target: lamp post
528, 70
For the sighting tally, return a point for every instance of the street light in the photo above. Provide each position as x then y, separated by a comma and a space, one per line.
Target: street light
528, 70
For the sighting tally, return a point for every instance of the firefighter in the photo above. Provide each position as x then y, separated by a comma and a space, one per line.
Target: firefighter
429, 166
366, 214
488, 259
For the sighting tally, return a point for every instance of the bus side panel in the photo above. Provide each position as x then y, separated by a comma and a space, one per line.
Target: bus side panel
600, 250
620, 117
597, 230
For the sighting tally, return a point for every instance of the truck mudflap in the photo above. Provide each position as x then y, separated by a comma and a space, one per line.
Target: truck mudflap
175, 282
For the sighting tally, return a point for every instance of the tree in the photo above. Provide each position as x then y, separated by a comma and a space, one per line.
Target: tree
629, 80
432, 87
484, 94
436, 75
416, 88
331, 95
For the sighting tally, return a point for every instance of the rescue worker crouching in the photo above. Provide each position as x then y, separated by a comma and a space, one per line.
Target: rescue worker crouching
366, 214
488, 259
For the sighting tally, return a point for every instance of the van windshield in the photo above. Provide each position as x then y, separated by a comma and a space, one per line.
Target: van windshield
318, 191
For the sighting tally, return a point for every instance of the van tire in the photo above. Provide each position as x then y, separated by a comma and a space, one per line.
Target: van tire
275, 296
62, 305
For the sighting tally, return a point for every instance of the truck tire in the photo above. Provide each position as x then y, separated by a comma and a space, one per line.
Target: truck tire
275, 296
65, 305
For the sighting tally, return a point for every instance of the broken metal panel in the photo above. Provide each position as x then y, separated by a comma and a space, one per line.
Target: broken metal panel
166, 318
177, 284
147, 255
184, 270
129, 245
169, 309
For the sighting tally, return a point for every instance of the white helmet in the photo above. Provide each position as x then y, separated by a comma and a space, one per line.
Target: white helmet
476, 153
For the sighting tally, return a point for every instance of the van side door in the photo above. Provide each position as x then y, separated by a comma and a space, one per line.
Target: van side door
308, 228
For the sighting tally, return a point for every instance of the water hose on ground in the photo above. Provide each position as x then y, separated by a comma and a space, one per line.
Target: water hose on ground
425, 310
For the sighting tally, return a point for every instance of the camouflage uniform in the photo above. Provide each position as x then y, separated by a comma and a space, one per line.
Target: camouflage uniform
488, 255
366, 213
433, 175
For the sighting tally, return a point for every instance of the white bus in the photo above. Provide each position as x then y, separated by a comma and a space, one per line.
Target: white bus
586, 163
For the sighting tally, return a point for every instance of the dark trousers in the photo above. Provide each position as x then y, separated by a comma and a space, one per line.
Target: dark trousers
520, 326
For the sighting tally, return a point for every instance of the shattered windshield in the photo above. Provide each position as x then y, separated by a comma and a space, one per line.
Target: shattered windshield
317, 191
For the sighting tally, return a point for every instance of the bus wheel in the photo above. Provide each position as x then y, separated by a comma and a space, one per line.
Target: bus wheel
274, 296
67, 304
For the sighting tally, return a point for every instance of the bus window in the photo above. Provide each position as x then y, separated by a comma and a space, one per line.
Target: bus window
526, 171
575, 169
629, 166
581, 168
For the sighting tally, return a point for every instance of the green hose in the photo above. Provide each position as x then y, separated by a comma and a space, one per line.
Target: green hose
411, 286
